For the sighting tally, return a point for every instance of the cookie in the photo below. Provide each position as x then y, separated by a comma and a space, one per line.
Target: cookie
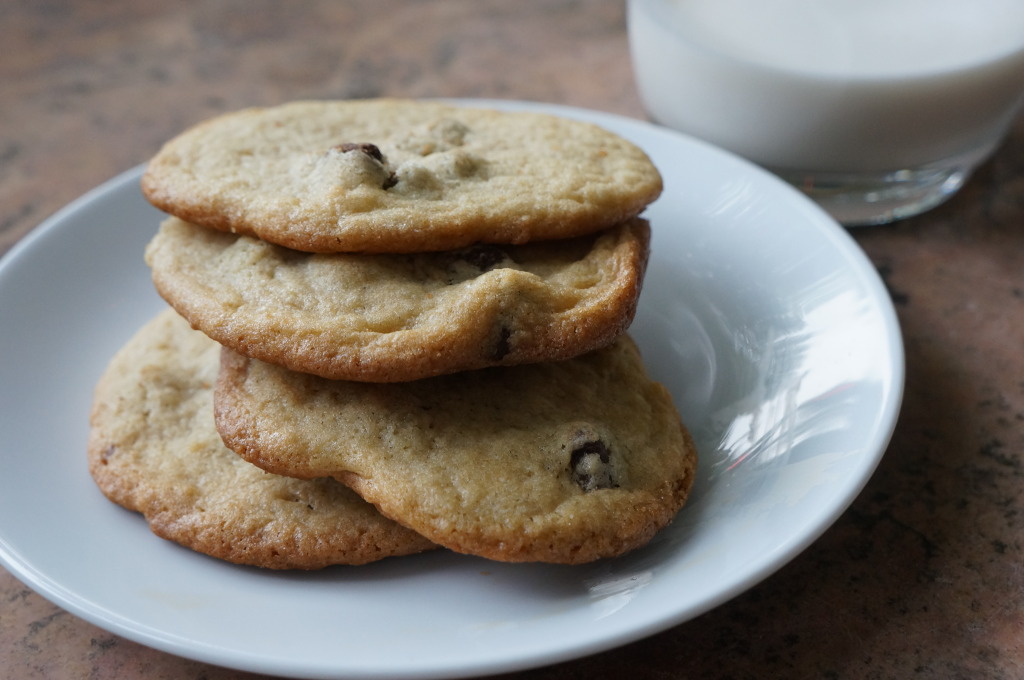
562, 462
389, 318
153, 448
398, 176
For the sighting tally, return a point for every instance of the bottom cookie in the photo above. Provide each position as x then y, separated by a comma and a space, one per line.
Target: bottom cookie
153, 448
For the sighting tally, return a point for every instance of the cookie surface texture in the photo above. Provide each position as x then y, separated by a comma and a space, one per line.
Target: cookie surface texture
389, 318
564, 462
153, 448
399, 176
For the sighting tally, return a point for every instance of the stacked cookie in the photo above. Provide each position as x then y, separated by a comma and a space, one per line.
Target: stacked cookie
420, 314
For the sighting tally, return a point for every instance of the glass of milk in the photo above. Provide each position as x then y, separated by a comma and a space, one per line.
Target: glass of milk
877, 109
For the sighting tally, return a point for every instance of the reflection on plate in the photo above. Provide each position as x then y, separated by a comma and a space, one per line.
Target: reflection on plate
768, 324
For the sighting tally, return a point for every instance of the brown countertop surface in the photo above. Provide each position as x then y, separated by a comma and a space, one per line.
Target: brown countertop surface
922, 577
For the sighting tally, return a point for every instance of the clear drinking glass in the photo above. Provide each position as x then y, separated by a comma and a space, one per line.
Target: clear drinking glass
876, 109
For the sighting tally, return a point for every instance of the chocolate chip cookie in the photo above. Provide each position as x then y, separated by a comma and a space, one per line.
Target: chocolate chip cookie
562, 462
388, 318
397, 176
153, 449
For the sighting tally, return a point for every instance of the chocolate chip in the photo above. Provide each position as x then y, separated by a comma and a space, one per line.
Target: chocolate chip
483, 256
590, 463
371, 150
374, 152
502, 347
108, 453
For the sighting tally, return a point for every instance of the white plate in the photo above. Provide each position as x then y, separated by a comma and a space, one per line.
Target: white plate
764, 318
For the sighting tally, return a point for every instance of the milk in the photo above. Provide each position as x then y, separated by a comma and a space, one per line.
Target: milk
840, 86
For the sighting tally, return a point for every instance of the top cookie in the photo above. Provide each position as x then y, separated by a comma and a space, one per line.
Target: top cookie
398, 176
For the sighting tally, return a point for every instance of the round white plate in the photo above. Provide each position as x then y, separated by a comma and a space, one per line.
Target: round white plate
769, 325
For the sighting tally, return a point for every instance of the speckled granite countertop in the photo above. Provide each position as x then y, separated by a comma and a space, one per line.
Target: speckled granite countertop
921, 577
